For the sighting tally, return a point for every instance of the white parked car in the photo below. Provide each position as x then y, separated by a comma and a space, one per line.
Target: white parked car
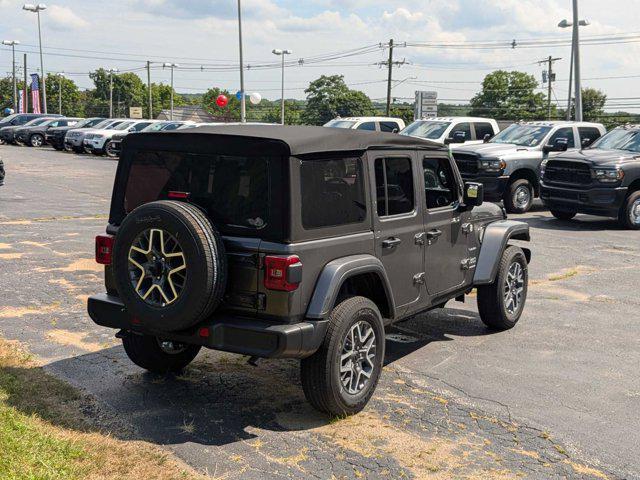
453, 130
373, 124
95, 141
74, 139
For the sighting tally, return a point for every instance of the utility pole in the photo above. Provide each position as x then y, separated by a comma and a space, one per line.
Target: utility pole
25, 96
576, 60
551, 77
111, 72
12, 44
171, 66
570, 84
389, 64
60, 77
149, 88
243, 100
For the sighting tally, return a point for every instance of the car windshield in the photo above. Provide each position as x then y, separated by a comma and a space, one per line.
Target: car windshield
155, 127
340, 124
8, 119
426, 129
84, 122
171, 126
619, 139
36, 121
124, 125
522, 135
112, 126
48, 122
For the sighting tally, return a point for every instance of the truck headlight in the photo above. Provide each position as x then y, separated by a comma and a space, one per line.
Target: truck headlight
492, 165
608, 175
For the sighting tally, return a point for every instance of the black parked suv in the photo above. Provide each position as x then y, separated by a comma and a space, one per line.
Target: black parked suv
10, 124
55, 136
603, 179
34, 135
299, 242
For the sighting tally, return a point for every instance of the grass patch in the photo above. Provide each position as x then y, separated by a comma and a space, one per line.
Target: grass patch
564, 275
44, 435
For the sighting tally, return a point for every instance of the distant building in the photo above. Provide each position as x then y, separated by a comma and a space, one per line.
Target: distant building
190, 112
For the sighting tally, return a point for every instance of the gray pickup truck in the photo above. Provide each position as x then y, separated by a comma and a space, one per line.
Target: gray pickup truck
508, 165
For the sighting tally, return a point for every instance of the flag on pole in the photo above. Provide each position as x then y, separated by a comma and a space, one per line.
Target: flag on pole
21, 101
35, 93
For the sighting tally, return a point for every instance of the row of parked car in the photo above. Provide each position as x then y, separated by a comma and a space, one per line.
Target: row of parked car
574, 167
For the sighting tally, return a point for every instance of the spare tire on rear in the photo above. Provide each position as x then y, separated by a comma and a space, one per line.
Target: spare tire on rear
169, 265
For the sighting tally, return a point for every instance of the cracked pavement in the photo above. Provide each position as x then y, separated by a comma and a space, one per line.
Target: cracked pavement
557, 397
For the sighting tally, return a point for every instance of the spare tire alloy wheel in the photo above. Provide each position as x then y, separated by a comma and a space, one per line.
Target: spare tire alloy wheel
36, 140
157, 267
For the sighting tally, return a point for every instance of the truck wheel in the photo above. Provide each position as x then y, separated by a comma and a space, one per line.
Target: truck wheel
157, 355
630, 212
563, 214
519, 197
170, 265
501, 303
36, 140
341, 376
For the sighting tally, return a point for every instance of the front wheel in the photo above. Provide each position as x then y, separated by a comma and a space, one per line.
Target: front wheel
157, 355
501, 303
110, 151
36, 140
341, 376
563, 214
630, 212
519, 197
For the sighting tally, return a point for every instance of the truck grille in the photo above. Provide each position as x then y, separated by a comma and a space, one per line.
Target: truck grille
560, 171
467, 163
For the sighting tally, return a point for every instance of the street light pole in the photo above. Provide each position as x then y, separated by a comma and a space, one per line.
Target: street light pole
283, 54
111, 72
37, 9
60, 77
574, 73
12, 44
243, 100
172, 66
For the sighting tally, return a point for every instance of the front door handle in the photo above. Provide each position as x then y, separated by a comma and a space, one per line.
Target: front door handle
391, 242
433, 234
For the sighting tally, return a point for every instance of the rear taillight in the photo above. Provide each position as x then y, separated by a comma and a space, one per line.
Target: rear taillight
104, 249
179, 195
282, 273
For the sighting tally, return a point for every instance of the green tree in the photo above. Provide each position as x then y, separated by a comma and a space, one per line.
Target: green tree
230, 113
128, 90
6, 92
161, 98
292, 113
593, 102
329, 97
71, 98
509, 96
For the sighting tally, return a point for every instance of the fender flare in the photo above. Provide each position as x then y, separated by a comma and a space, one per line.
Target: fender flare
334, 275
495, 240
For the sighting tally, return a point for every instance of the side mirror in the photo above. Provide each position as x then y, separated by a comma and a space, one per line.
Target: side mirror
586, 142
131, 129
458, 137
487, 137
395, 130
560, 145
473, 194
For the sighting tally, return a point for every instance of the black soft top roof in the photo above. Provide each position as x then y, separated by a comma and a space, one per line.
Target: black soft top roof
294, 140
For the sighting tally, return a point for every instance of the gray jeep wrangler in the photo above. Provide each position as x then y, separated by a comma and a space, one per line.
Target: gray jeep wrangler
298, 242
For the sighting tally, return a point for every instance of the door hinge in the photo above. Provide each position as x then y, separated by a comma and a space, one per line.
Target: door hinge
419, 279
467, 228
419, 238
469, 263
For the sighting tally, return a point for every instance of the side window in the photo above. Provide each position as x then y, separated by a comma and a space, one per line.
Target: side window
332, 192
588, 135
394, 186
462, 127
370, 126
140, 126
564, 133
439, 183
483, 129
389, 127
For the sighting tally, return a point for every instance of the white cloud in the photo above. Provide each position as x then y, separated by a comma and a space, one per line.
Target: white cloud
63, 18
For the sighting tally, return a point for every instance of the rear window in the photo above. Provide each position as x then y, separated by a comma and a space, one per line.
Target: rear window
234, 190
332, 192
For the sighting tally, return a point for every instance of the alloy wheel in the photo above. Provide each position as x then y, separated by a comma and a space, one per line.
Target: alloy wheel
357, 358
513, 288
36, 141
522, 196
634, 212
157, 267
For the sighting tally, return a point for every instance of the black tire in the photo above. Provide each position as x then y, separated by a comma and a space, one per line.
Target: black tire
57, 147
320, 373
204, 258
627, 212
148, 352
563, 214
512, 202
491, 298
36, 140
111, 153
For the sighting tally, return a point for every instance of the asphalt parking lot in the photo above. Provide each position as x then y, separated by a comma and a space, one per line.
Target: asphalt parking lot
557, 397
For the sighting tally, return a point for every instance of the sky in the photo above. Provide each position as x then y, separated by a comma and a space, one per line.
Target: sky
82, 35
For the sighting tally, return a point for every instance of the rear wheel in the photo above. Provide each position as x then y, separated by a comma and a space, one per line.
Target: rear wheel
519, 196
629, 216
342, 375
157, 355
110, 151
563, 214
501, 303
36, 140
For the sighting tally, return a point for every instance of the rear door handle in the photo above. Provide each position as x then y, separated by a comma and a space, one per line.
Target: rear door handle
433, 234
391, 242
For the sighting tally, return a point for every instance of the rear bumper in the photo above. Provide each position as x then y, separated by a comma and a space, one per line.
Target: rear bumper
494, 187
246, 336
603, 201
